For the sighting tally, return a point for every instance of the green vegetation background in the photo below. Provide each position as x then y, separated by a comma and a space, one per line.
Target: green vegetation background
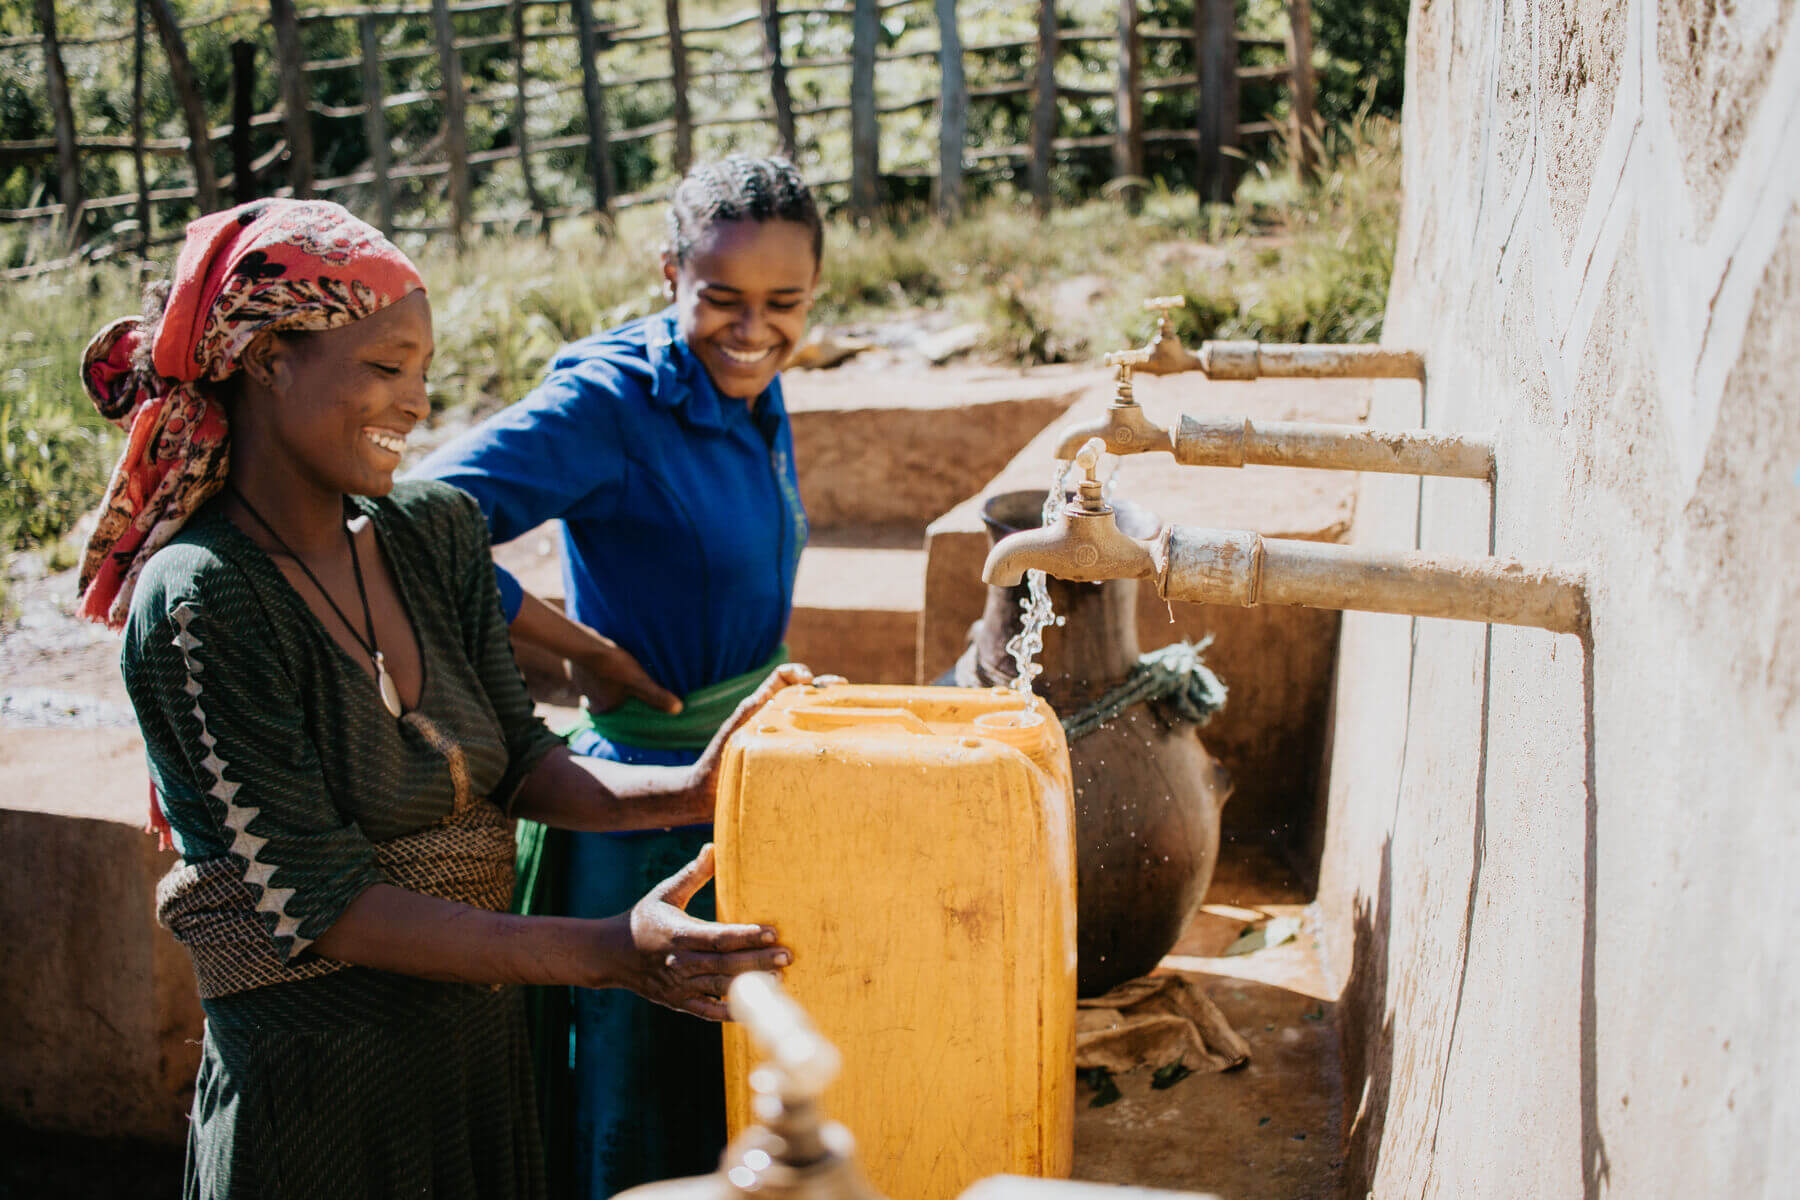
1284, 263
1360, 48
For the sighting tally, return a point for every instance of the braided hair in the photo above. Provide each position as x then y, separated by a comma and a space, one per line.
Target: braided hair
740, 188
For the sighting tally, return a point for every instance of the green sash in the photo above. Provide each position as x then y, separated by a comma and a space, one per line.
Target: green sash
703, 711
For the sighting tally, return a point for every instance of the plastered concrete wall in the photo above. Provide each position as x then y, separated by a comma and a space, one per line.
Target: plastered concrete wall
102, 1022
1561, 876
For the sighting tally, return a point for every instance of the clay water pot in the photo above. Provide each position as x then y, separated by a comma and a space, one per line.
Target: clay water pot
1147, 793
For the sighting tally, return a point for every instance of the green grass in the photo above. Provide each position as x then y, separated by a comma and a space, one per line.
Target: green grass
55, 450
1284, 263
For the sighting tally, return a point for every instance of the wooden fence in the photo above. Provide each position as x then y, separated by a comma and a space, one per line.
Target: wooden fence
287, 166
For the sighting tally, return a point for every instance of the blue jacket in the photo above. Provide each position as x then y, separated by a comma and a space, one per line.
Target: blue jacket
681, 517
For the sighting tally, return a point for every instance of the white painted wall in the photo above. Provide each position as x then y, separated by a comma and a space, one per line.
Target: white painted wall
1562, 880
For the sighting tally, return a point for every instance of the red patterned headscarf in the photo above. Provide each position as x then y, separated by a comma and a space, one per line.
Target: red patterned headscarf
270, 264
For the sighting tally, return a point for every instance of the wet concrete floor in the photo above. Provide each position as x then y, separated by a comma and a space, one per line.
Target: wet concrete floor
1269, 1130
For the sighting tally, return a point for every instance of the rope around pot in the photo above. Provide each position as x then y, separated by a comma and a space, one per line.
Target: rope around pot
1174, 675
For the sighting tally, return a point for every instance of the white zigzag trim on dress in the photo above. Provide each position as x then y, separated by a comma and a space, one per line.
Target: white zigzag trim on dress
244, 844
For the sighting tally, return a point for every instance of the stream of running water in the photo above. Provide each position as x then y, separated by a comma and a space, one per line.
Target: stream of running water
1039, 614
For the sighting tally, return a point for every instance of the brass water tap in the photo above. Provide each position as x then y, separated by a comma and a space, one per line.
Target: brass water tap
789, 1151
1125, 429
1165, 353
1085, 544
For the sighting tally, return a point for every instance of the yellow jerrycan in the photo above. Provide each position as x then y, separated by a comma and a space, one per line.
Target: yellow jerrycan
915, 847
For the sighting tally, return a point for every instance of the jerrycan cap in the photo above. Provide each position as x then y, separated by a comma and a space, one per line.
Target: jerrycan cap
1023, 728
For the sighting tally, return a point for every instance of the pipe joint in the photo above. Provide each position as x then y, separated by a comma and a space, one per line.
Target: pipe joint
1218, 566
1211, 441
1213, 566
1236, 361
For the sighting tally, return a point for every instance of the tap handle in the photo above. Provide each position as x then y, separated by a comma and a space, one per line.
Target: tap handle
1163, 304
1088, 457
804, 1060
1127, 359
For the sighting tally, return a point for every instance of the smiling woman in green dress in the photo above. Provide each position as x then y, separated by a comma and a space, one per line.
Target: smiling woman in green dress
338, 736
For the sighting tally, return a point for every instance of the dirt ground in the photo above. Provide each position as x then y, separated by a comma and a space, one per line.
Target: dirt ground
1271, 1129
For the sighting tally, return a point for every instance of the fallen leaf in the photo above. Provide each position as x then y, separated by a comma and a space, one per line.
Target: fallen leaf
1276, 932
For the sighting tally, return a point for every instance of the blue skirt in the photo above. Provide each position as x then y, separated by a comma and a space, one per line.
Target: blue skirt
649, 1090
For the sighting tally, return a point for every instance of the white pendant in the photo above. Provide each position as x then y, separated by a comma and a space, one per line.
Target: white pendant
390, 695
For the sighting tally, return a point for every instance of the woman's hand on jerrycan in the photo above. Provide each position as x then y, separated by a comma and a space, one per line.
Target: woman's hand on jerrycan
705, 782
685, 963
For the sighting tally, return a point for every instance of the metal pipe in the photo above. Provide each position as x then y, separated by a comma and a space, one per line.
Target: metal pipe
1235, 566
1234, 441
1213, 441
1165, 355
1256, 360
1019, 1187
1212, 566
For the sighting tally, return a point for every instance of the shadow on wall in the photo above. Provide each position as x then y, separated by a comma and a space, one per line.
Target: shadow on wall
1596, 1171
1368, 1059
1369, 1046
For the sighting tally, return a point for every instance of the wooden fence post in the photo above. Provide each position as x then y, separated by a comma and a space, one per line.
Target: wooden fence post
199, 129
1305, 148
456, 133
243, 107
1044, 109
1128, 104
68, 165
288, 59
953, 113
137, 128
1215, 54
678, 71
521, 134
375, 121
594, 100
865, 129
778, 84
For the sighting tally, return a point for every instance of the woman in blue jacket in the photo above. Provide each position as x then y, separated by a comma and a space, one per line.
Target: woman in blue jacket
663, 447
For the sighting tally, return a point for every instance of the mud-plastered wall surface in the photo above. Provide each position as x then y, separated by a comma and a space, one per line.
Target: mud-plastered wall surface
1561, 880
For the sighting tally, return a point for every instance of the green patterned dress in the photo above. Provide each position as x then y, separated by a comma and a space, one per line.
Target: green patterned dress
290, 789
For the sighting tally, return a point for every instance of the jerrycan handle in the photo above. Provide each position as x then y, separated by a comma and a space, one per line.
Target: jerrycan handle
823, 718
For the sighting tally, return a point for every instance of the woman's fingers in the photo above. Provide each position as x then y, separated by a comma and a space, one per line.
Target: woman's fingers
706, 1007
713, 974
680, 887
786, 675
736, 962
704, 937
687, 964
714, 985
634, 679
608, 673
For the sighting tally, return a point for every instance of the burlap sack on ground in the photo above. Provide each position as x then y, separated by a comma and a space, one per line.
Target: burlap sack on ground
1154, 1022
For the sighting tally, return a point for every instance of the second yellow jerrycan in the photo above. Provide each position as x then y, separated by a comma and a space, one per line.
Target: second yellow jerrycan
915, 847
